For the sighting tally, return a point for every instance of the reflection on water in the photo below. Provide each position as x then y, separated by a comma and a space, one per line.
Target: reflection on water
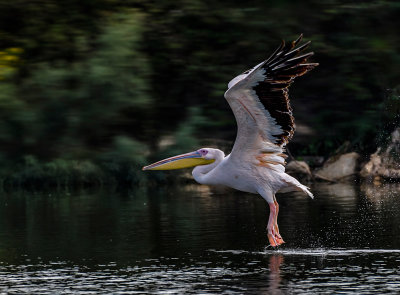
196, 240
275, 279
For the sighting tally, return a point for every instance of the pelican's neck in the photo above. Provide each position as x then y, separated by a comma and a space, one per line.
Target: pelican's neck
202, 173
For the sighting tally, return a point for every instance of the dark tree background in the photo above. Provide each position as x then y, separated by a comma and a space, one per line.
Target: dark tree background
93, 89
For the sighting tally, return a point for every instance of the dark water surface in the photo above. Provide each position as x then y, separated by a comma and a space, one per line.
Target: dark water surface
182, 240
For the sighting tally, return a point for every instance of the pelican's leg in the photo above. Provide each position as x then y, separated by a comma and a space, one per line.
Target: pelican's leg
273, 232
277, 234
274, 237
271, 225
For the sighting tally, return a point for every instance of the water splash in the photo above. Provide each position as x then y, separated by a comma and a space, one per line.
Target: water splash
312, 252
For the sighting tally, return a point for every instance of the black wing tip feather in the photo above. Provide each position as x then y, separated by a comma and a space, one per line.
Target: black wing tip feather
282, 67
298, 49
277, 51
298, 40
286, 57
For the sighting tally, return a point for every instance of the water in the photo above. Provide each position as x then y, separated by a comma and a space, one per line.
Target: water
189, 239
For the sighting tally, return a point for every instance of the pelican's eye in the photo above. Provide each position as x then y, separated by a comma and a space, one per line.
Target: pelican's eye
203, 152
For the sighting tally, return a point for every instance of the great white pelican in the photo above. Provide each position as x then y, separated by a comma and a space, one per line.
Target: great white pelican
260, 102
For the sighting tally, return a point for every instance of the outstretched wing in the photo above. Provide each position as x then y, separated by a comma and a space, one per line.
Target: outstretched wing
260, 102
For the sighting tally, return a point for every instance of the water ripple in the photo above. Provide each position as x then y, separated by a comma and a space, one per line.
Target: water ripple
312, 252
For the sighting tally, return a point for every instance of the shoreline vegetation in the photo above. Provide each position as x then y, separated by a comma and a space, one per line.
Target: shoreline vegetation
382, 166
88, 97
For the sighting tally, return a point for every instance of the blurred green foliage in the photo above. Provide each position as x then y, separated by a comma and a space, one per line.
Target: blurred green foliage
90, 90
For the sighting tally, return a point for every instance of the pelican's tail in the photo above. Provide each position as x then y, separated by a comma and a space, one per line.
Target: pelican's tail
292, 184
306, 190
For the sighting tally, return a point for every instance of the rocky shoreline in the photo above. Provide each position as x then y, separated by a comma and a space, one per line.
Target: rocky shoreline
383, 165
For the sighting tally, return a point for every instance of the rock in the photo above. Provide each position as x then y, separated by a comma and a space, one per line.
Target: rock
371, 168
339, 167
385, 162
298, 168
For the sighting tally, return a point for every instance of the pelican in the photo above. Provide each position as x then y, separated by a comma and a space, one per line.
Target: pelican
260, 102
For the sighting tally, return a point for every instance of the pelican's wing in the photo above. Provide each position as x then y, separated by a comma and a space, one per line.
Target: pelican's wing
260, 102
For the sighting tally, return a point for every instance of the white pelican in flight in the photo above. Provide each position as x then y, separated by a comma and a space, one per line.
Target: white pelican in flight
260, 102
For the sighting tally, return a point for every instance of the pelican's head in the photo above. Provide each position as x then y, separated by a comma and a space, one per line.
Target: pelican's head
203, 156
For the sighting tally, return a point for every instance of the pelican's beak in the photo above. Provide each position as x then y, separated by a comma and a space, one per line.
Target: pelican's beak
178, 162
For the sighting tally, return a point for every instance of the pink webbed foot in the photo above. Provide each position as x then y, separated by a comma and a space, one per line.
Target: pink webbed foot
274, 238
